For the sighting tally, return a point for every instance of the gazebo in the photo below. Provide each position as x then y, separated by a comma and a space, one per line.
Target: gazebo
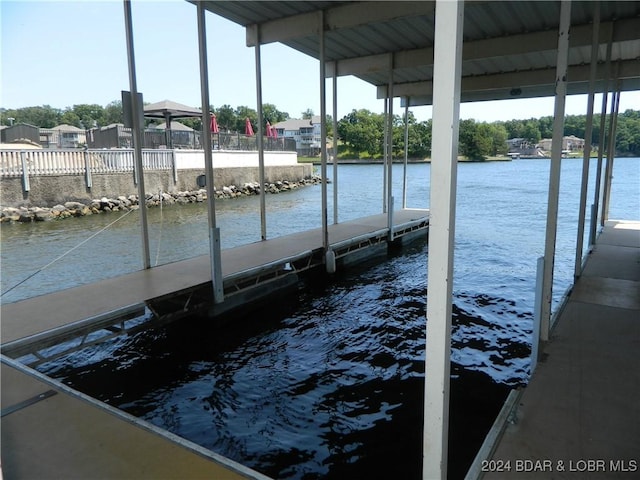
169, 110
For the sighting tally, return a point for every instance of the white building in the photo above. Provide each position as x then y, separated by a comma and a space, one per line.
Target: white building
569, 143
305, 132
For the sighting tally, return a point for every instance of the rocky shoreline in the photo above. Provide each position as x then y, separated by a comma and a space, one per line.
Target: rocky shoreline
124, 203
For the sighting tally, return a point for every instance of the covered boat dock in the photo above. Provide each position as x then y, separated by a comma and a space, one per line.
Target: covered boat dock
442, 53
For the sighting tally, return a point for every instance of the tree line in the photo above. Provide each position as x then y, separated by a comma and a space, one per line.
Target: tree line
361, 132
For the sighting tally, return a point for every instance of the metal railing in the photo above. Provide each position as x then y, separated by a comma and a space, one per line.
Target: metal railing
118, 136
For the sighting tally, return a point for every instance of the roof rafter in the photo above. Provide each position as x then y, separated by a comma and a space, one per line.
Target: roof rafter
490, 48
340, 17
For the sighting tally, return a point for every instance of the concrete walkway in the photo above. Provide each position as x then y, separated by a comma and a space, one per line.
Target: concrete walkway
579, 417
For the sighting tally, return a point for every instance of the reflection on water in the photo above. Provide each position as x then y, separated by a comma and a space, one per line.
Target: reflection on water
324, 386
330, 383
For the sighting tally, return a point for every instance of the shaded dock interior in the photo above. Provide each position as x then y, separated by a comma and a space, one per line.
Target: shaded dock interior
580, 413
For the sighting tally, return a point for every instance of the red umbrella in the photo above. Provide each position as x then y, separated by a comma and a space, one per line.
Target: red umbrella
214, 124
274, 132
269, 130
248, 129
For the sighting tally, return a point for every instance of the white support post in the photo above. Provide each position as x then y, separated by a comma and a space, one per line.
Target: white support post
602, 143
537, 307
335, 142
554, 175
611, 153
406, 154
390, 152
446, 112
214, 232
263, 207
385, 152
137, 135
586, 159
323, 135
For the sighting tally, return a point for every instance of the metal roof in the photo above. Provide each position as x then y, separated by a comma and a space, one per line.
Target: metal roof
509, 46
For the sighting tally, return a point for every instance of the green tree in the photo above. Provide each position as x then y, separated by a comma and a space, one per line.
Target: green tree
226, 118
43, 117
242, 113
112, 113
272, 115
69, 117
362, 131
307, 114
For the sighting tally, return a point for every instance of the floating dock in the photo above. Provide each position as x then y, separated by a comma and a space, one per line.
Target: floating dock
48, 427
580, 415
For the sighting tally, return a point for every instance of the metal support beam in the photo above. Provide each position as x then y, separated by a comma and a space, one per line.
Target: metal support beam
335, 148
512, 45
406, 154
446, 113
586, 159
343, 16
602, 143
554, 175
611, 153
323, 133
389, 148
214, 232
263, 206
385, 153
137, 135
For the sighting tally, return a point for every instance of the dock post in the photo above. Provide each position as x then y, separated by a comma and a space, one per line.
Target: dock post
406, 153
335, 142
447, 64
389, 148
385, 152
601, 147
214, 231
136, 109
586, 159
263, 208
323, 133
554, 174
537, 311
611, 153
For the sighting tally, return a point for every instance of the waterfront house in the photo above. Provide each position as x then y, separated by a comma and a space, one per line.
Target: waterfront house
305, 132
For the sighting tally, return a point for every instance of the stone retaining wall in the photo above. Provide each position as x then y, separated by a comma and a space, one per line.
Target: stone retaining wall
67, 209
49, 191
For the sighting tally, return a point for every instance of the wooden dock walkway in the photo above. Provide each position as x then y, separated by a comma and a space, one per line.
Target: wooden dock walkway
579, 417
52, 431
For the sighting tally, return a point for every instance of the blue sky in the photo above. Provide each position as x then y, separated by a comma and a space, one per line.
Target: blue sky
64, 53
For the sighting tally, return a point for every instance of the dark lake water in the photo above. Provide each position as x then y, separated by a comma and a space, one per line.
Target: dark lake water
328, 384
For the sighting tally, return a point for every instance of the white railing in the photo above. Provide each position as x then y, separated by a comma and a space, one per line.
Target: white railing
16, 163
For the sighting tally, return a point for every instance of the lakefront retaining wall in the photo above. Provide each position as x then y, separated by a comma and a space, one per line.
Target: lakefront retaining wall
34, 178
47, 191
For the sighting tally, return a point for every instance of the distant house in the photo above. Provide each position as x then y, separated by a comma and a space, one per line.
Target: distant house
63, 136
306, 134
569, 143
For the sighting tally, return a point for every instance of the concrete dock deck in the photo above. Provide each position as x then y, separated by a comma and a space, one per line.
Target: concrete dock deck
40, 314
48, 432
579, 417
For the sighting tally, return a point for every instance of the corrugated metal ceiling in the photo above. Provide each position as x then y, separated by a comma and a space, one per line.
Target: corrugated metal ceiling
523, 34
